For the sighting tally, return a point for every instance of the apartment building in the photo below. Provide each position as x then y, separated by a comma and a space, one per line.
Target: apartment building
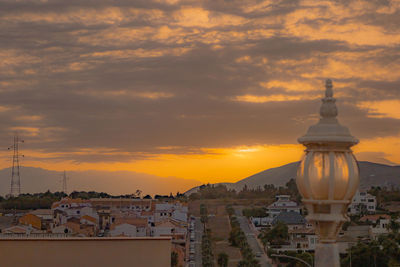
362, 203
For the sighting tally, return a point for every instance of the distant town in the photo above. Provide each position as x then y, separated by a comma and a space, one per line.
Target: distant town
214, 226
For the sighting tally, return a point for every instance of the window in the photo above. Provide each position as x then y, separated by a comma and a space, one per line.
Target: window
370, 200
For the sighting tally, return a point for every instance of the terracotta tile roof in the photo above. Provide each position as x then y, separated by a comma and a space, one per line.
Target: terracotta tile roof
138, 222
42, 212
374, 217
89, 218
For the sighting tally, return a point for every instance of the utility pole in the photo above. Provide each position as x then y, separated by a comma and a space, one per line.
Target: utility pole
64, 185
15, 189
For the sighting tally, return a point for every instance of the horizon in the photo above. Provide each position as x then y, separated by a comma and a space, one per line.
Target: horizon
80, 181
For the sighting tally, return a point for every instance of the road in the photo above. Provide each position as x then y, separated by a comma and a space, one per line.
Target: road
251, 239
198, 229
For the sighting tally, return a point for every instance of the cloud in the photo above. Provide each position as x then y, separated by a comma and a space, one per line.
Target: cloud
136, 78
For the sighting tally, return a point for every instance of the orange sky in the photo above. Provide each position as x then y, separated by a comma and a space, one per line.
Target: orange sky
205, 90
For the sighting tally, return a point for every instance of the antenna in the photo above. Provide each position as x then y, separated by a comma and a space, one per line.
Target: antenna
15, 189
64, 183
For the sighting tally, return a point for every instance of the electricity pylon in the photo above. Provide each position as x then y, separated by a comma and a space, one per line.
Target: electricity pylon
15, 189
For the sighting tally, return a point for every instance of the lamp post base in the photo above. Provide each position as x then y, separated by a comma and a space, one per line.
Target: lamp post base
327, 254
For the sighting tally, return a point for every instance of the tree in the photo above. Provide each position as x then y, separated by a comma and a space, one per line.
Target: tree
394, 226
371, 254
138, 193
174, 259
223, 259
278, 235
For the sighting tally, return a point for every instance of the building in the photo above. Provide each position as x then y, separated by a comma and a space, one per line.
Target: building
67, 252
282, 204
31, 220
292, 219
40, 219
133, 205
362, 203
176, 211
375, 218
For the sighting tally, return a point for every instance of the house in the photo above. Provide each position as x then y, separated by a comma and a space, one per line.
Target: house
122, 204
362, 203
89, 220
31, 220
62, 229
79, 229
303, 239
292, 219
282, 204
176, 211
140, 224
352, 236
374, 218
17, 230
22, 230
170, 227
46, 216
123, 229
300, 239
66, 203
380, 223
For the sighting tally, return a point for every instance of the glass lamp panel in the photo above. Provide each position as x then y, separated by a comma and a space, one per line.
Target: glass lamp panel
341, 170
355, 180
300, 181
318, 175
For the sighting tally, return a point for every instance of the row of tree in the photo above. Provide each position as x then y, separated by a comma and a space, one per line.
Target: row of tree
45, 200
209, 191
206, 243
238, 239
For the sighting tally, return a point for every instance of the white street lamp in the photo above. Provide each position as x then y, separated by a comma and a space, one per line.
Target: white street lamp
327, 178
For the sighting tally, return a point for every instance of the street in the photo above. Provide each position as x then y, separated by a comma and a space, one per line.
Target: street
251, 239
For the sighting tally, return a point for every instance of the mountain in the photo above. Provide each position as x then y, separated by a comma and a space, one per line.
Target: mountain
371, 174
35, 180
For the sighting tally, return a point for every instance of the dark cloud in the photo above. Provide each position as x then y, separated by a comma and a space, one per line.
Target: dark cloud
140, 84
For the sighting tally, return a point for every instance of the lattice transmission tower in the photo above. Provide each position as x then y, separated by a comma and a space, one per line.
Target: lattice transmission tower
15, 189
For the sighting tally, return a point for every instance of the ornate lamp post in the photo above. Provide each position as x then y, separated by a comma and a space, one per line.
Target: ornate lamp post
327, 178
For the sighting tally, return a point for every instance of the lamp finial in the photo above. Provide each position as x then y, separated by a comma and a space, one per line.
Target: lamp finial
328, 109
328, 86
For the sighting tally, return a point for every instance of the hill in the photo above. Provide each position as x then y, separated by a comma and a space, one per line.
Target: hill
371, 174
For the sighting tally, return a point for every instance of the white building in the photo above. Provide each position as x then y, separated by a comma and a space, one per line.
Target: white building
282, 203
362, 203
176, 211
301, 239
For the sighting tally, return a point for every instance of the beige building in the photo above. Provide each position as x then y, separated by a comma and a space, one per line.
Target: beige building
88, 252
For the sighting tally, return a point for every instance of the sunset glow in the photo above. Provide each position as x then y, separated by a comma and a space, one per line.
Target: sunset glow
208, 90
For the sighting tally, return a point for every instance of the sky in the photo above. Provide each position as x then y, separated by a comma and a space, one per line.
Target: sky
209, 90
